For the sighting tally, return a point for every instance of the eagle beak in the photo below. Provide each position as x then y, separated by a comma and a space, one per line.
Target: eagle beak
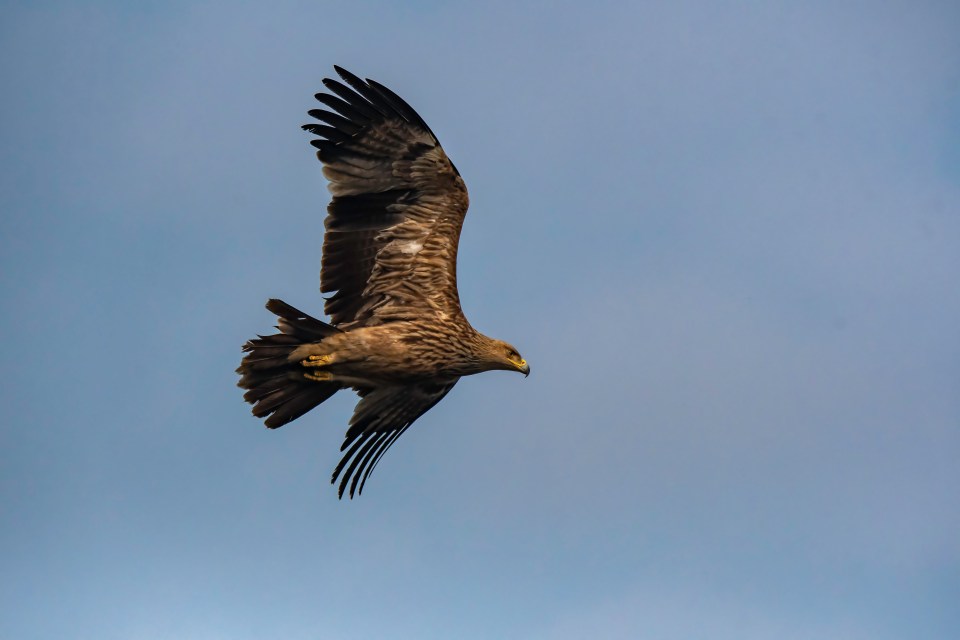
524, 368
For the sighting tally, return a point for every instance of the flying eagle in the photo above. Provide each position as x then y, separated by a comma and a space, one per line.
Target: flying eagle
397, 334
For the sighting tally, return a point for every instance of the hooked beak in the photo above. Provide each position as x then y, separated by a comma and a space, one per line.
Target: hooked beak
524, 368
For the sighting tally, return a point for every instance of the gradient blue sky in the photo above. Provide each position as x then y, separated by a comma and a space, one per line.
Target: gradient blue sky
725, 235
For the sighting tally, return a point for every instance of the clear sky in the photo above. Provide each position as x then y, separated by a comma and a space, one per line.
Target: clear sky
725, 235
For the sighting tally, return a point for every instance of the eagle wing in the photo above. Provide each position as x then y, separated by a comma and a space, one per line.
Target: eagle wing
381, 416
393, 225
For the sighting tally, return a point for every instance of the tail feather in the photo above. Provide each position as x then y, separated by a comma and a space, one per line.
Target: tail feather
298, 324
276, 386
296, 404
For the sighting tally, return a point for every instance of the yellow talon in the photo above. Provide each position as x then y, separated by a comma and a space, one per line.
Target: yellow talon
318, 376
316, 361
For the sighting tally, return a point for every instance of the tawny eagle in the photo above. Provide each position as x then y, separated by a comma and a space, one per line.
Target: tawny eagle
397, 334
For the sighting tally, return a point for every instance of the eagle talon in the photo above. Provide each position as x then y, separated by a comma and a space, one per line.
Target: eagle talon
316, 361
318, 376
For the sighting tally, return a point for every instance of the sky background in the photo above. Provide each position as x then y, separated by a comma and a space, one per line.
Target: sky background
726, 236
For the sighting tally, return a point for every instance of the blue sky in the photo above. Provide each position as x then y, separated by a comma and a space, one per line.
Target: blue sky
725, 236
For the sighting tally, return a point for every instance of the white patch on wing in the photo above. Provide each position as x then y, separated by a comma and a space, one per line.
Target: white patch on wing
411, 248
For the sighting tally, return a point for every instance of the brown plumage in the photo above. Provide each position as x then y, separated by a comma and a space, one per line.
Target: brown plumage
397, 334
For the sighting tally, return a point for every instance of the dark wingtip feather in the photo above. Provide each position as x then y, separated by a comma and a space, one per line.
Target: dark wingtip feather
381, 449
369, 111
330, 133
400, 106
354, 113
355, 444
372, 97
343, 73
361, 460
336, 121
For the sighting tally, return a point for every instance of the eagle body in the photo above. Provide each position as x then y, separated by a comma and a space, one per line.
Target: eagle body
400, 352
397, 334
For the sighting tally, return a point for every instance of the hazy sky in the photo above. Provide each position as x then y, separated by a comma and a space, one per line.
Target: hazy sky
725, 235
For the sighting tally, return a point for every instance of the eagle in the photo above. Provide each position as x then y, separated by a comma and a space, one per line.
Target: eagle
397, 335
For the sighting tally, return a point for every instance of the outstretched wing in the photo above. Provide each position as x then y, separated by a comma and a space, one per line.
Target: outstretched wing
392, 228
381, 416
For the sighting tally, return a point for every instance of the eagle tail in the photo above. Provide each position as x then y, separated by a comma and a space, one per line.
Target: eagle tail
276, 387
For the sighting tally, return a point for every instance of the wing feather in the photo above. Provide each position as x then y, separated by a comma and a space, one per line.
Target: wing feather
343, 108
394, 222
381, 416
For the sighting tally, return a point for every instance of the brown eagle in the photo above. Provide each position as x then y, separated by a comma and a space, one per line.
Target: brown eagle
397, 334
